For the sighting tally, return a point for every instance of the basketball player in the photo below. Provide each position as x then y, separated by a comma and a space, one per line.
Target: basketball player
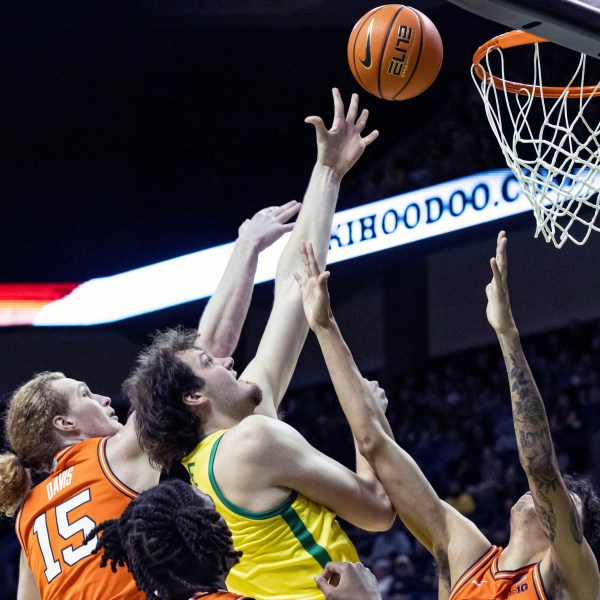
56, 424
554, 526
278, 495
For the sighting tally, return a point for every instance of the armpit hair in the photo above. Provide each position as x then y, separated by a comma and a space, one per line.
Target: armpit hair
442, 567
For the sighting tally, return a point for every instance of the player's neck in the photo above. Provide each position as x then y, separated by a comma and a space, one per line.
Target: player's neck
527, 545
216, 422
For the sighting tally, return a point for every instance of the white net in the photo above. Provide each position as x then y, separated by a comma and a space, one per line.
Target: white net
552, 145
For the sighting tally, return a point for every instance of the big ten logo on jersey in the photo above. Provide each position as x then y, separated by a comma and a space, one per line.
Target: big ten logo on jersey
401, 59
517, 589
60, 482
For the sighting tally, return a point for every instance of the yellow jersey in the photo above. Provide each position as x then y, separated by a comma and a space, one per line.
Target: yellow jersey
284, 548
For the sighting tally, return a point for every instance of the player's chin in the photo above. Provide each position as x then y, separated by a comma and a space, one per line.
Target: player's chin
256, 393
115, 425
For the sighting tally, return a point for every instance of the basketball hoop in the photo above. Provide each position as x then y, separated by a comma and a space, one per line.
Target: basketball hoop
556, 159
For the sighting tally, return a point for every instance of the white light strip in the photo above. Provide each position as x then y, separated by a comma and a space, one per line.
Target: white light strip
369, 228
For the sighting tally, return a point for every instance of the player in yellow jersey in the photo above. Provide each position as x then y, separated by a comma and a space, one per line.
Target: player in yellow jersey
54, 424
278, 494
555, 527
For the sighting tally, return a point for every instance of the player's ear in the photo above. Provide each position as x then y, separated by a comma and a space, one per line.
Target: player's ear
63, 423
193, 399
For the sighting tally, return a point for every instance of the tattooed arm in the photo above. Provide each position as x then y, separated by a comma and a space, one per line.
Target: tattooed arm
559, 511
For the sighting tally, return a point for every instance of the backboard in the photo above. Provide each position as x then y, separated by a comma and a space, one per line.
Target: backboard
574, 24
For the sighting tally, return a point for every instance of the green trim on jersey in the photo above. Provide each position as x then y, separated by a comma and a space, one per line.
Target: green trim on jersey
238, 510
305, 537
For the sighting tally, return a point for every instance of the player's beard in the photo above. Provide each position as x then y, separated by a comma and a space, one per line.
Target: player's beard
256, 394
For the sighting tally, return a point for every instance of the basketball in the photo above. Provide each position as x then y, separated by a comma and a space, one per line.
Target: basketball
395, 52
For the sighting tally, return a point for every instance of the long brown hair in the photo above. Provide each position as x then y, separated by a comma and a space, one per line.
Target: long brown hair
166, 429
30, 436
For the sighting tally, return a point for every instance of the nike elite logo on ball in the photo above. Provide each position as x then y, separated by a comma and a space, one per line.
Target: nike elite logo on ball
366, 63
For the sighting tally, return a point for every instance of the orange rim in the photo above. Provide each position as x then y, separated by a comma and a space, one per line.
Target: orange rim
522, 38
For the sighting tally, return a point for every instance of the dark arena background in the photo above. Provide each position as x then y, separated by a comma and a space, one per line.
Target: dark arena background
135, 132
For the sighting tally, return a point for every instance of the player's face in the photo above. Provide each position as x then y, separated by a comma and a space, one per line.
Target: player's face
525, 503
220, 382
92, 413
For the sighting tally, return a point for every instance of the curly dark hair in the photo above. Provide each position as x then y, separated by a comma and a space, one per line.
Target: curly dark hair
166, 429
171, 541
591, 509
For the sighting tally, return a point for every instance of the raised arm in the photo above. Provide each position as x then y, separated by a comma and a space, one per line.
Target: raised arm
338, 149
557, 510
225, 313
451, 538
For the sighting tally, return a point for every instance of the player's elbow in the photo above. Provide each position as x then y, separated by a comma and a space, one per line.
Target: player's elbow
371, 443
222, 343
381, 517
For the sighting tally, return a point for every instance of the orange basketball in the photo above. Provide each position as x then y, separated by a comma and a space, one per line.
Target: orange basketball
395, 52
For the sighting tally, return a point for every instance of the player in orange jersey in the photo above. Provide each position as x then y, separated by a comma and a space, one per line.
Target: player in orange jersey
56, 424
554, 526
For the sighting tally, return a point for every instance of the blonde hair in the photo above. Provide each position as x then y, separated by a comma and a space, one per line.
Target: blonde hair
30, 435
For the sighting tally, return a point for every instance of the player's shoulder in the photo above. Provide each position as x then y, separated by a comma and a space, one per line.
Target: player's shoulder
255, 424
256, 434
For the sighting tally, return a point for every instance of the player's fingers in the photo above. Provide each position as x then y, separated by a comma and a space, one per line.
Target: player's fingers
287, 213
501, 257
369, 139
285, 206
322, 584
332, 569
286, 228
318, 123
298, 279
322, 280
362, 120
338, 106
488, 291
352, 109
312, 261
304, 256
496, 270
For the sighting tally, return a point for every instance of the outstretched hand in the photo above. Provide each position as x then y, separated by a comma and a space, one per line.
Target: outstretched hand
313, 284
342, 145
498, 309
269, 224
344, 580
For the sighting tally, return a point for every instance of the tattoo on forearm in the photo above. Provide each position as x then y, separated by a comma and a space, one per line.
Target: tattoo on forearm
545, 515
536, 451
530, 439
537, 457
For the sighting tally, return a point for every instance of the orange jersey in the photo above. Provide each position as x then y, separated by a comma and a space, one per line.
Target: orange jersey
484, 581
59, 512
